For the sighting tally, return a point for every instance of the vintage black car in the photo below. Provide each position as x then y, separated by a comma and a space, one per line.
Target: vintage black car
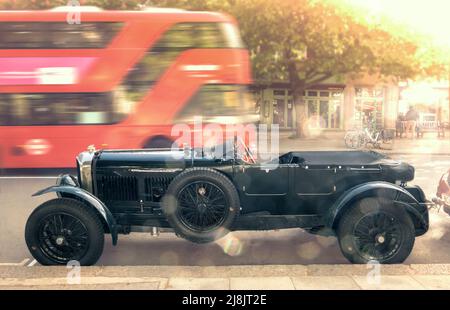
359, 196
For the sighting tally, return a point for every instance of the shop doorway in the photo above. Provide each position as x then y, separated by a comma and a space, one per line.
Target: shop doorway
283, 109
324, 109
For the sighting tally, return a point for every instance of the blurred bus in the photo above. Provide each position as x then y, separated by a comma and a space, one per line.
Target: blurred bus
113, 79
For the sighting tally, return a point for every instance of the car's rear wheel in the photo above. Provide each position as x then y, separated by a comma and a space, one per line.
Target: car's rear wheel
63, 230
376, 230
201, 205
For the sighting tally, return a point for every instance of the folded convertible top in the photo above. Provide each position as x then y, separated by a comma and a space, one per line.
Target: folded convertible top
344, 158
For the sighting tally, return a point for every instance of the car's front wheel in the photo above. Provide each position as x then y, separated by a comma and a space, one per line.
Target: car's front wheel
63, 230
376, 230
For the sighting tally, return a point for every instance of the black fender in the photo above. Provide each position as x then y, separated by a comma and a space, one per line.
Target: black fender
90, 200
400, 196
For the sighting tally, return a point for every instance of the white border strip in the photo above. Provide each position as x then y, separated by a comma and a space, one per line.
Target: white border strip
22, 263
12, 178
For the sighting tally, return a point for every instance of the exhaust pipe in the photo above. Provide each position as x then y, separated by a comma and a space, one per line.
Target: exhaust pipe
155, 232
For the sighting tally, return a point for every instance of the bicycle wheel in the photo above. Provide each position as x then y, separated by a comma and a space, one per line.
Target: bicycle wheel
353, 140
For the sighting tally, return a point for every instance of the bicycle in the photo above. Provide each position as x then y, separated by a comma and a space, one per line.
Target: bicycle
358, 139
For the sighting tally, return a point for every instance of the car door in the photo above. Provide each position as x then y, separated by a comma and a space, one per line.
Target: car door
313, 187
314, 180
262, 180
262, 188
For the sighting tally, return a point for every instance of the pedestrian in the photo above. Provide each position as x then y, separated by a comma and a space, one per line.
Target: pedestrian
411, 118
400, 125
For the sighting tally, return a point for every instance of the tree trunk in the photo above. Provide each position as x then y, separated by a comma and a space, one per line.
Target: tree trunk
300, 112
297, 88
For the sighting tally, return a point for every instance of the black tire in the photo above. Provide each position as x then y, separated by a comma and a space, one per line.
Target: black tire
80, 232
373, 229
158, 143
201, 218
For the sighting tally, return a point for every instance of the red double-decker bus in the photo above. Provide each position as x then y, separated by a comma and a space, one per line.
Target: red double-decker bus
114, 79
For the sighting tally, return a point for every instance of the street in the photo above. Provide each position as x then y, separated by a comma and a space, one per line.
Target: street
292, 246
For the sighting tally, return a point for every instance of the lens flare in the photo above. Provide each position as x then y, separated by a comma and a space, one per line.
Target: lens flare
231, 245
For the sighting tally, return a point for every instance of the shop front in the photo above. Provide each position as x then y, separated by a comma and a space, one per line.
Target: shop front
323, 107
332, 106
369, 107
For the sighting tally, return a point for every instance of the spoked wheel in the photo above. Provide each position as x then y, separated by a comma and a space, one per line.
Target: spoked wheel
62, 230
63, 237
201, 205
377, 236
375, 231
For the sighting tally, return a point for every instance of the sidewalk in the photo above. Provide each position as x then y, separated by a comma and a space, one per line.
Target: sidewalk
428, 145
290, 277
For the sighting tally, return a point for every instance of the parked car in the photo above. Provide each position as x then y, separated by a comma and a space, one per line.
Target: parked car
443, 193
361, 197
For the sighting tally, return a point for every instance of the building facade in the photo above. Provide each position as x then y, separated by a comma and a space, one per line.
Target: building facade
331, 106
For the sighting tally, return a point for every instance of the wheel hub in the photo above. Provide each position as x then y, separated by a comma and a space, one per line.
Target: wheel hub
60, 240
380, 239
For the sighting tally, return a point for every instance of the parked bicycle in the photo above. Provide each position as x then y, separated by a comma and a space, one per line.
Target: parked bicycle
357, 139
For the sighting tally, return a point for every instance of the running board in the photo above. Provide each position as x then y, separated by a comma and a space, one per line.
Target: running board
270, 222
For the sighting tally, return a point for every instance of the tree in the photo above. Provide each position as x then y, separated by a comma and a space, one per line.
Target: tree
306, 42
303, 42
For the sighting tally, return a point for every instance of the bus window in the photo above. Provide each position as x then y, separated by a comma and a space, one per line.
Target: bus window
214, 101
56, 35
4, 109
232, 36
61, 109
179, 38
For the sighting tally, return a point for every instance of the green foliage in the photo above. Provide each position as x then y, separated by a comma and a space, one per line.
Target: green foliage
303, 42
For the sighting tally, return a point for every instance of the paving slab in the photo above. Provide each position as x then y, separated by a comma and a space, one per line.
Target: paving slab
198, 284
430, 269
84, 281
345, 276
157, 271
115, 286
350, 270
261, 283
434, 282
388, 283
325, 283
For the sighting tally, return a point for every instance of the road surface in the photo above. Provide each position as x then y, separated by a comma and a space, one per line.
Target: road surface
291, 246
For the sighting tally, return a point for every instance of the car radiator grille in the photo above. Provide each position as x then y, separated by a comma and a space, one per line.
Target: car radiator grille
117, 188
155, 187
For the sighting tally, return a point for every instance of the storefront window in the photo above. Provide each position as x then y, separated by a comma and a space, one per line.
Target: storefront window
324, 109
369, 107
